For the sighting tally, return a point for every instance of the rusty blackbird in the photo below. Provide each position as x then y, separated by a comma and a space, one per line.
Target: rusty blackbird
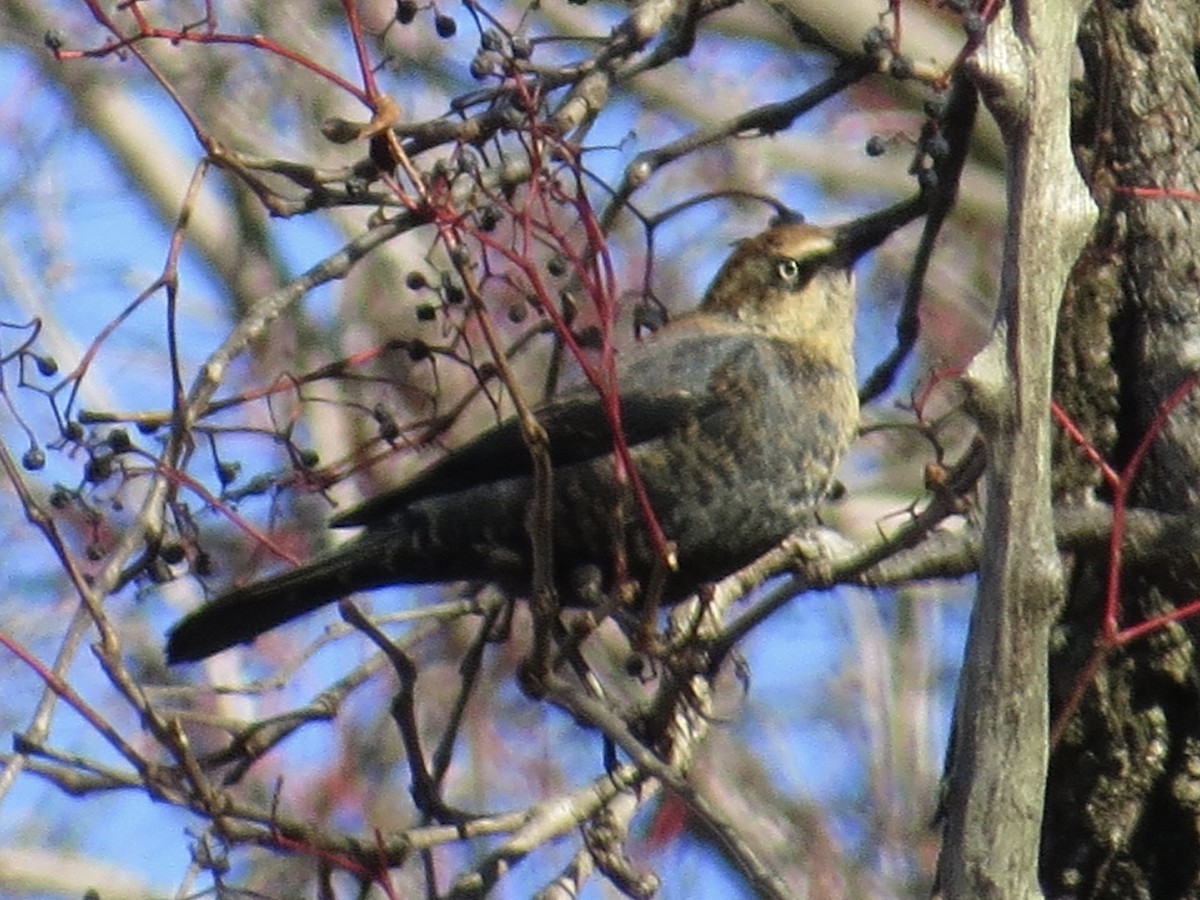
735, 415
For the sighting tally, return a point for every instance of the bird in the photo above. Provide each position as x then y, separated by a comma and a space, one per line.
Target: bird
735, 414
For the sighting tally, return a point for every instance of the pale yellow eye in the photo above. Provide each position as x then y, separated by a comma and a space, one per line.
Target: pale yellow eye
789, 271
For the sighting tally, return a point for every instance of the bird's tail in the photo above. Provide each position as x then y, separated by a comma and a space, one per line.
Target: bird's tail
241, 615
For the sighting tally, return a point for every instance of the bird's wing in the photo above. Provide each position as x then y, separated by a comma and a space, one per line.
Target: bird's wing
663, 383
578, 430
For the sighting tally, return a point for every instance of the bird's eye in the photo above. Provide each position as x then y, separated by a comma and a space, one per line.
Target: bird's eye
789, 271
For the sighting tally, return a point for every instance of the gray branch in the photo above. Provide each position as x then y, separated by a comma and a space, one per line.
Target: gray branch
998, 758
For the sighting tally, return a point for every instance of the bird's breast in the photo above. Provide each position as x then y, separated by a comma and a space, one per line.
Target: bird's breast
750, 467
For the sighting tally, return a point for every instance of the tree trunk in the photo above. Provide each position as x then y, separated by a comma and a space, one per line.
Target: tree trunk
1122, 815
997, 763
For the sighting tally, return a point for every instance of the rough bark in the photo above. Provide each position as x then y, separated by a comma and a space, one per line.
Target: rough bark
1123, 795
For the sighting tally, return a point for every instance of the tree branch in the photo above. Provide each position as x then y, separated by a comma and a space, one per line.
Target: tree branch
998, 756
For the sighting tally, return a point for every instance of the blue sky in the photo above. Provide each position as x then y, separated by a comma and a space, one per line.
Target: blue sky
112, 246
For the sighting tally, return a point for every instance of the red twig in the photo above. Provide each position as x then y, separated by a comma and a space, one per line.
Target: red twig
1120, 504
1154, 193
175, 36
1111, 635
921, 401
360, 50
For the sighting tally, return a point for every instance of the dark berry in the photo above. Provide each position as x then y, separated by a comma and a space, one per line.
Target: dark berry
118, 440
489, 218
637, 666
172, 554
649, 316
491, 40
874, 41
901, 67
33, 459
406, 11
388, 429
590, 338
937, 147
483, 65
444, 25
98, 469
203, 564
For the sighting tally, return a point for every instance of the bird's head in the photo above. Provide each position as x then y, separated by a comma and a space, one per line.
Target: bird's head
792, 281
